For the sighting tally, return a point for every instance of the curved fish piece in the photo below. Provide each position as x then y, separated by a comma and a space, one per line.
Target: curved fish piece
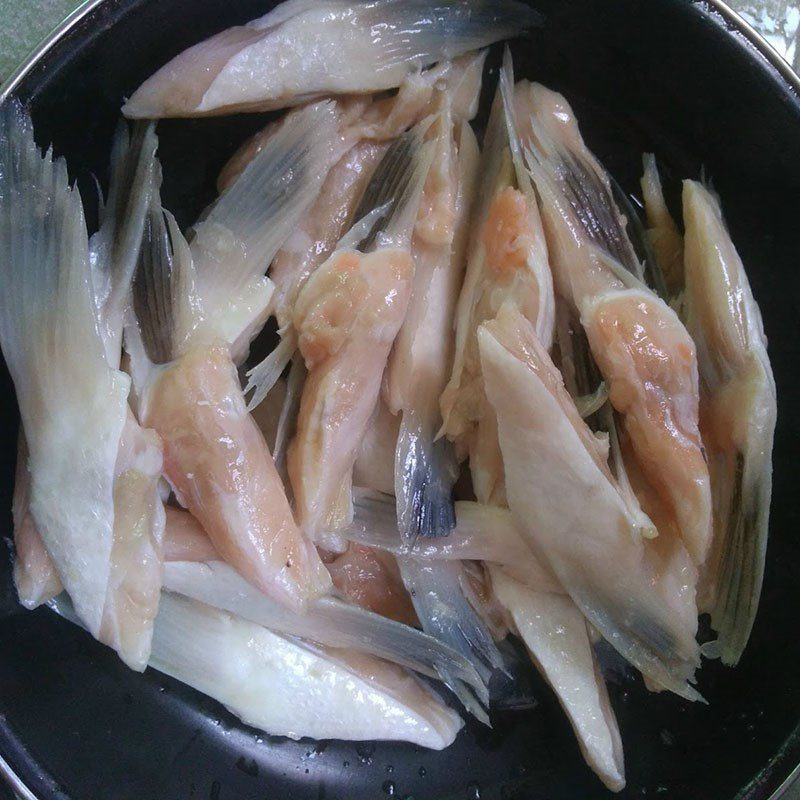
644, 353
639, 595
185, 539
289, 688
196, 306
507, 263
347, 317
301, 51
555, 633
738, 414
72, 402
426, 468
328, 620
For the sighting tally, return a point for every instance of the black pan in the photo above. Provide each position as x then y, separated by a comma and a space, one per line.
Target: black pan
680, 78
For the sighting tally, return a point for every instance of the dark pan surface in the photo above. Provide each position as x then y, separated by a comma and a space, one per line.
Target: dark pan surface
662, 75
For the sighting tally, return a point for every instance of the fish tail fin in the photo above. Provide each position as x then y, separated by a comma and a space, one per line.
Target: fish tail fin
262, 377
425, 471
741, 564
72, 403
253, 217
135, 176
396, 188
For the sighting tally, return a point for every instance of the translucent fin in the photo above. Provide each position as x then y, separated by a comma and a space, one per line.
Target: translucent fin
262, 377
73, 405
425, 471
445, 613
328, 621
155, 293
234, 244
114, 249
287, 421
397, 183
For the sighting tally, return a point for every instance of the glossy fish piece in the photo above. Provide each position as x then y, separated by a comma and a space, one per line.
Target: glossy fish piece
738, 414
644, 353
73, 404
302, 50
507, 263
426, 469
639, 598
347, 317
221, 470
197, 307
556, 635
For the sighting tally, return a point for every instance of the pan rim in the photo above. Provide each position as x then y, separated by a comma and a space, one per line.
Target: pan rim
733, 21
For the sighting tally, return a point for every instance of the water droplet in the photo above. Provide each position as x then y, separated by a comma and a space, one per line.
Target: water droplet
661, 790
306, 770
422, 772
365, 752
388, 788
473, 791
667, 737
345, 764
389, 769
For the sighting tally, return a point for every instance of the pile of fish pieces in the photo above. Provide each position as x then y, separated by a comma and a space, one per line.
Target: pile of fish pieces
486, 415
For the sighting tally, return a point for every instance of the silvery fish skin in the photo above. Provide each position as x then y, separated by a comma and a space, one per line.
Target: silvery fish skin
304, 50
738, 413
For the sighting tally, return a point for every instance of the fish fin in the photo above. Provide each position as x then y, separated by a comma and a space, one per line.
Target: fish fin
163, 286
741, 569
446, 614
72, 403
410, 32
135, 177
287, 420
250, 221
425, 471
262, 377
328, 621
396, 185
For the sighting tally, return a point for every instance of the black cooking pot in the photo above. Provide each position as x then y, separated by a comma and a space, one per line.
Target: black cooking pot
682, 79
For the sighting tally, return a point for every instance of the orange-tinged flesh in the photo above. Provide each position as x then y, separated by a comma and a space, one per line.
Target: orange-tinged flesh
371, 579
222, 471
649, 363
506, 233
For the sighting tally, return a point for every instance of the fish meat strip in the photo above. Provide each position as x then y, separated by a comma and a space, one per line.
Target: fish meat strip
638, 592
198, 305
738, 415
302, 50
